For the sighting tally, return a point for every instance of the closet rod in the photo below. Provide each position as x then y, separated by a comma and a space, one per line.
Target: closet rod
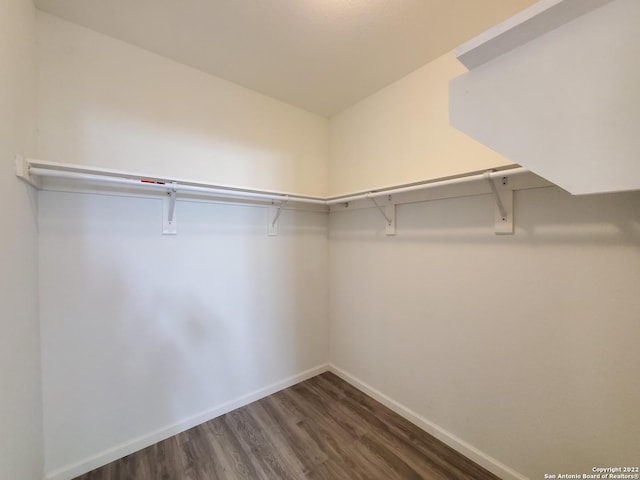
424, 186
39, 168
143, 183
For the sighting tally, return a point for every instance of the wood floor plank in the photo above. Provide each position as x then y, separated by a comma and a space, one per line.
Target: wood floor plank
321, 429
385, 460
303, 443
254, 440
321, 406
292, 459
236, 462
406, 448
298, 456
427, 445
198, 456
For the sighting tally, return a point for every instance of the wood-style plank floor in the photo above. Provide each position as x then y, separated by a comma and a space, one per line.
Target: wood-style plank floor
319, 429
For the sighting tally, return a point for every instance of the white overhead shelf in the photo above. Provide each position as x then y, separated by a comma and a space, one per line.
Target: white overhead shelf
555, 89
537, 20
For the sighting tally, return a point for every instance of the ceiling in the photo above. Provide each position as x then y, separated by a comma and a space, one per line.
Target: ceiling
319, 55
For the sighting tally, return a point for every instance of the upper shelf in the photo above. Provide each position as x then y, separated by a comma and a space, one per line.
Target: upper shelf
555, 90
537, 20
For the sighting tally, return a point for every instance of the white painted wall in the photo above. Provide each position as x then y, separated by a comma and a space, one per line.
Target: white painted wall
20, 390
402, 135
105, 103
144, 333
519, 346
523, 346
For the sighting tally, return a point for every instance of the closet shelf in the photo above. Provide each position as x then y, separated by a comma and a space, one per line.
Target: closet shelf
45, 175
554, 89
539, 19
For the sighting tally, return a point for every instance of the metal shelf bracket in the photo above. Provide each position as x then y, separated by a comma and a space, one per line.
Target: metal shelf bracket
169, 219
389, 214
274, 212
503, 212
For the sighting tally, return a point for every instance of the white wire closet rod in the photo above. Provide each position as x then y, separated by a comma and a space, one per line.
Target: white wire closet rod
40, 168
430, 184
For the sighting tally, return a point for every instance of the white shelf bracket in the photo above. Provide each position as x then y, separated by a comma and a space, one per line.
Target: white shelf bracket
503, 212
274, 212
390, 228
389, 214
169, 219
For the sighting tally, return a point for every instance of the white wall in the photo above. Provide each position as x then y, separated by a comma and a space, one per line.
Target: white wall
523, 346
402, 135
105, 103
20, 392
143, 332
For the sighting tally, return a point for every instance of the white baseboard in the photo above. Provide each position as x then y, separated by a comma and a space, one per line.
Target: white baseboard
71, 471
469, 451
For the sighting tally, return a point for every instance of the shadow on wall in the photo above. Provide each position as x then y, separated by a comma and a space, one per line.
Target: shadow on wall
300, 254
545, 215
123, 359
146, 331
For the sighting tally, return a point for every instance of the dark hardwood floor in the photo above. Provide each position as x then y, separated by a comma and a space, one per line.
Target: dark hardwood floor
319, 429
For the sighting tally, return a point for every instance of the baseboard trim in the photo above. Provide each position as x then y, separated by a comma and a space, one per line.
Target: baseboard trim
71, 471
468, 450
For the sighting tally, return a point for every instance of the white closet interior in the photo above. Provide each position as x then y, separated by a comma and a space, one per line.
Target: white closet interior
470, 292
